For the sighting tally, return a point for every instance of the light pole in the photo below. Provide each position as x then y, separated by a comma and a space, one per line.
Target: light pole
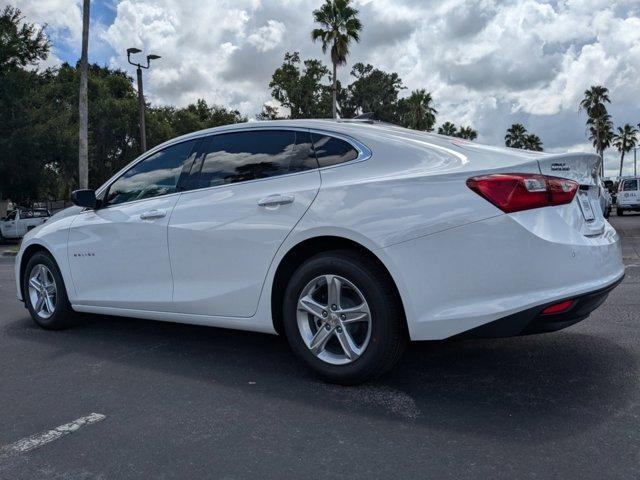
143, 133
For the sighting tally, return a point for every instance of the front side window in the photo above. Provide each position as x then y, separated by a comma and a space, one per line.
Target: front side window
630, 185
242, 156
12, 215
154, 176
332, 151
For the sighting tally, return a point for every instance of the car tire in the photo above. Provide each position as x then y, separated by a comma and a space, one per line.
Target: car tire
619, 212
376, 341
47, 303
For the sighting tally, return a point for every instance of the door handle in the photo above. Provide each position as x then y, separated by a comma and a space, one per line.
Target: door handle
152, 214
275, 200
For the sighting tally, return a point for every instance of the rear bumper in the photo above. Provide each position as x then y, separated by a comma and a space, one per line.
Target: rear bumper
532, 320
461, 279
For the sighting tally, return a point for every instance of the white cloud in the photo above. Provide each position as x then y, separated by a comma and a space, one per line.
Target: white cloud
268, 37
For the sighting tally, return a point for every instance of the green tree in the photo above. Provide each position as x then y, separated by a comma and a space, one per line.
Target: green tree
417, 111
448, 128
625, 140
600, 130
598, 120
467, 133
21, 44
302, 92
339, 26
372, 91
532, 142
268, 113
516, 135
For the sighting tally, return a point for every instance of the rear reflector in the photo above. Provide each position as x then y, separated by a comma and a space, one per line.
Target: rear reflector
513, 192
558, 307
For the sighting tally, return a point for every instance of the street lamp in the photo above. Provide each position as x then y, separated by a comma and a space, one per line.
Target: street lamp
143, 133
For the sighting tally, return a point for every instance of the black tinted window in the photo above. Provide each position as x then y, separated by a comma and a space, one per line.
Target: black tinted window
331, 151
154, 176
242, 156
630, 185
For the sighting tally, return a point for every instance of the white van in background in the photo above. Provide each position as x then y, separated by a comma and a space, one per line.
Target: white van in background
628, 195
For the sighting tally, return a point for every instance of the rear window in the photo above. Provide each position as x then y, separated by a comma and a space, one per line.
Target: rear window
629, 185
332, 151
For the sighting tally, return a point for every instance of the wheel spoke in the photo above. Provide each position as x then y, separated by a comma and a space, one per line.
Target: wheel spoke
49, 303
347, 344
42, 274
319, 340
309, 305
334, 290
39, 302
34, 283
355, 314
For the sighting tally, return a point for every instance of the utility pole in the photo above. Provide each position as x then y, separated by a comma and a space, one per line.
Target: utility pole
83, 107
143, 132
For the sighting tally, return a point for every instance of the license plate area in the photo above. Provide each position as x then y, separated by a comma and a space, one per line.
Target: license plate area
585, 206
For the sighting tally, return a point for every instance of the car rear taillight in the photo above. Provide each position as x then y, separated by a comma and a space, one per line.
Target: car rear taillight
513, 192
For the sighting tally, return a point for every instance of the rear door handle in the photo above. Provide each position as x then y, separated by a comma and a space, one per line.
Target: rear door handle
274, 200
152, 214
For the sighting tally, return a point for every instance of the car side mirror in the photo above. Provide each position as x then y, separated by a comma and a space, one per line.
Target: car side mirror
84, 198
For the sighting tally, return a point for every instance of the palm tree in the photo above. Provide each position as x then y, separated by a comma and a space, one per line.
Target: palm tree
467, 133
83, 108
624, 140
593, 103
532, 142
515, 137
340, 25
420, 114
600, 133
448, 128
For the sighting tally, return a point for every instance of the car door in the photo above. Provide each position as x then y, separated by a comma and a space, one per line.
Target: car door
9, 226
253, 187
118, 253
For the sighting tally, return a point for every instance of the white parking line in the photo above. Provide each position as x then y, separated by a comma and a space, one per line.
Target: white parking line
40, 439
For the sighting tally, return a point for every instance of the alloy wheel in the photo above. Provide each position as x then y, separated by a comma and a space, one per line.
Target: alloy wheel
42, 291
334, 319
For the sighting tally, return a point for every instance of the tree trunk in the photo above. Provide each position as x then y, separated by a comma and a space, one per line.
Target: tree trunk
621, 162
335, 88
83, 114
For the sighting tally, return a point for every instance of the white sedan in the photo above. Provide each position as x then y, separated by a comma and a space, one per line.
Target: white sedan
348, 237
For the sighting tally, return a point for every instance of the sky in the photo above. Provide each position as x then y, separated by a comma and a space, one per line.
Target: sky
487, 63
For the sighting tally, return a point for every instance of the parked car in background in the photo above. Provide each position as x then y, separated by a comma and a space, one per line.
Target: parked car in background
349, 238
628, 195
605, 200
18, 222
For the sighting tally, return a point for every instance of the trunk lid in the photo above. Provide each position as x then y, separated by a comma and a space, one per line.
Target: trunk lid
585, 212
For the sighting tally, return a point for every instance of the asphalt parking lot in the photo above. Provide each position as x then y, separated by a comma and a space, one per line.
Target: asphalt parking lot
179, 401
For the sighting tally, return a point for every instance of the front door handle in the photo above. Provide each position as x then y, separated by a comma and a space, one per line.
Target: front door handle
275, 200
152, 214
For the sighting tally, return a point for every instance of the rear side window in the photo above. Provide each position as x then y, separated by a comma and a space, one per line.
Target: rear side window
152, 177
242, 156
629, 185
332, 151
